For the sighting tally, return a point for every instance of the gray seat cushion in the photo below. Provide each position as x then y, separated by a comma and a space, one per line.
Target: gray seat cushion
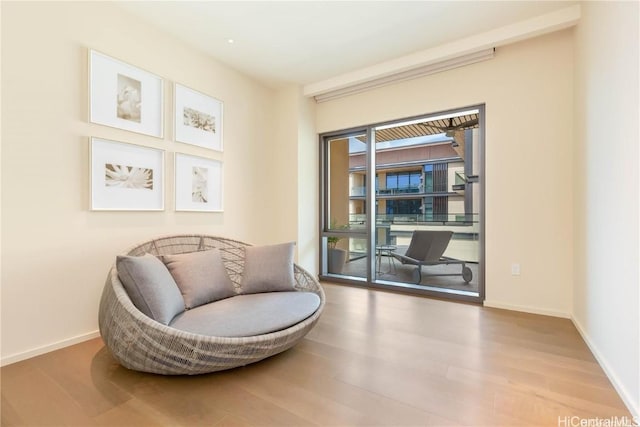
248, 315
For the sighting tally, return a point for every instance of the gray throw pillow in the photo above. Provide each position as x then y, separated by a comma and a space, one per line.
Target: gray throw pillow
201, 277
150, 287
268, 268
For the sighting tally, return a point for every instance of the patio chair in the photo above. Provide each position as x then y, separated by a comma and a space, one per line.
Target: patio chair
427, 248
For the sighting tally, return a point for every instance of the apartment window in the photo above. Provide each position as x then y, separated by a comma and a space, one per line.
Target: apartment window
404, 182
404, 207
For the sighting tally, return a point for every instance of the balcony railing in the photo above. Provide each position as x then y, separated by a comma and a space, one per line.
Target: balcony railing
394, 191
356, 220
413, 191
358, 192
362, 191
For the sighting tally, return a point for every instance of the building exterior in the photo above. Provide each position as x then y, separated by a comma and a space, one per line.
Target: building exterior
421, 183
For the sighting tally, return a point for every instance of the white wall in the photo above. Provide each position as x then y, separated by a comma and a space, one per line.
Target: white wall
528, 92
55, 252
606, 302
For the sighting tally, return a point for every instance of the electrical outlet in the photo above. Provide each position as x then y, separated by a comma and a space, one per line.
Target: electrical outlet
515, 269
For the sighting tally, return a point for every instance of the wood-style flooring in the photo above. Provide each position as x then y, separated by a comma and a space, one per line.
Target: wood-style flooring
374, 358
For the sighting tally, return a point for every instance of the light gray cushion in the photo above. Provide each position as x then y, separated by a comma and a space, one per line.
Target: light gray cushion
150, 287
268, 268
248, 315
201, 276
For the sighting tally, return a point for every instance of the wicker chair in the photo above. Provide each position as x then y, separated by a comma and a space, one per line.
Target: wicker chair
142, 344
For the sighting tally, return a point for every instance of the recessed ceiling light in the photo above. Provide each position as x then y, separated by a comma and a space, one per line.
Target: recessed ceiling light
231, 41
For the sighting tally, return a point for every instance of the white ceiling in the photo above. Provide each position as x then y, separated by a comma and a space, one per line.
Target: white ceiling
303, 42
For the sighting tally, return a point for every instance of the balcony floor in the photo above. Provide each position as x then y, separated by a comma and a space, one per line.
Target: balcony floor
404, 273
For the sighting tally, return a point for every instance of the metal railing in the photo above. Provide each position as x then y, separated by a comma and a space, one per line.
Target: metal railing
362, 191
428, 219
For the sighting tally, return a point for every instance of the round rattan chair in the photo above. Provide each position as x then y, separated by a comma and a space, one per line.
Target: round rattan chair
142, 344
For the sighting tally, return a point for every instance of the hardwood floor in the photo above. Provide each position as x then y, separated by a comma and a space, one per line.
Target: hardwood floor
375, 358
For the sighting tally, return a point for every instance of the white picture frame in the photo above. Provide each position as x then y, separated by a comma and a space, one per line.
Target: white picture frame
198, 184
125, 97
125, 177
198, 118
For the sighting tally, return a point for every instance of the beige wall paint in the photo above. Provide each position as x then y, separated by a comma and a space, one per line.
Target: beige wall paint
293, 167
1, 221
528, 92
308, 183
606, 302
55, 252
281, 163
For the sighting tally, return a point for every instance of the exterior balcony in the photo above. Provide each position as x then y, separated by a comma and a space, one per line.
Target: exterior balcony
359, 193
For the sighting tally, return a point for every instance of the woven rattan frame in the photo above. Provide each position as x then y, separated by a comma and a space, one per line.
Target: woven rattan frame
142, 344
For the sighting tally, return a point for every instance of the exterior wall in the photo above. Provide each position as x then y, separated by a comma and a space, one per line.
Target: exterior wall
339, 182
606, 298
405, 155
528, 92
55, 252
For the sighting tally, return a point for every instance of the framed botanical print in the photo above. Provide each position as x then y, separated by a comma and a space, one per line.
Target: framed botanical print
126, 177
198, 118
124, 96
198, 184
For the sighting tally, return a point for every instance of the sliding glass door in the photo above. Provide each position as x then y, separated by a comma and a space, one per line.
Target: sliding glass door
402, 204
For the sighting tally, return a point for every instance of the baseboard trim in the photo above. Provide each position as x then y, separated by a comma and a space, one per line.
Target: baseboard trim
526, 309
633, 407
18, 357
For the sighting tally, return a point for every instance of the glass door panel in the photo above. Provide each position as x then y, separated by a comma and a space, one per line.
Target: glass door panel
402, 205
427, 203
344, 236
